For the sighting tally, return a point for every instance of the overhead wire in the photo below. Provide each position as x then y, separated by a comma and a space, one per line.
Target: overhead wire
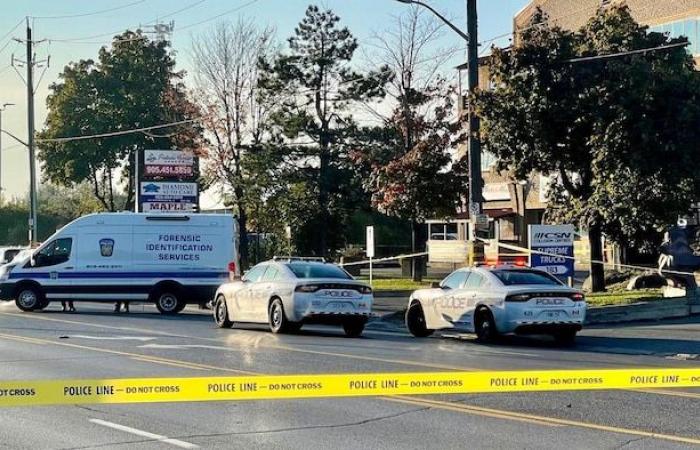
94, 13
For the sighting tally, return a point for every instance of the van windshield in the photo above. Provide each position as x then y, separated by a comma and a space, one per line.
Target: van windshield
302, 270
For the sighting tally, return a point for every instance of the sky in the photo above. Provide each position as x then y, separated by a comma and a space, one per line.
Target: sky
80, 37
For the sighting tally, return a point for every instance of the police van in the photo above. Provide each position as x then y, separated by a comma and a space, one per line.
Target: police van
167, 259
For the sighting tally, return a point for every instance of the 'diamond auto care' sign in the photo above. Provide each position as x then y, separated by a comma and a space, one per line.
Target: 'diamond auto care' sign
552, 249
168, 196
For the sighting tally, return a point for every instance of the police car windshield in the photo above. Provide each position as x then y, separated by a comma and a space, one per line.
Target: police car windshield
515, 277
302, 270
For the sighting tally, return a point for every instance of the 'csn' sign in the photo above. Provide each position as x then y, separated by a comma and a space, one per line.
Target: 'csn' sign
558, 242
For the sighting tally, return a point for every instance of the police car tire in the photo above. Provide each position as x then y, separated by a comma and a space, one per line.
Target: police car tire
353, 328
27, 292
277, 318
485, 326
415, 321
565, 337
220, 312
164, 300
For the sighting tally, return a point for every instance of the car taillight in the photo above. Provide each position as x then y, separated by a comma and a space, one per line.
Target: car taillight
578, 297
307, 288
518, 298
365, 290
231, 271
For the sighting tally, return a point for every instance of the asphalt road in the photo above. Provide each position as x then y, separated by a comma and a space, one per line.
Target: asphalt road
95, 343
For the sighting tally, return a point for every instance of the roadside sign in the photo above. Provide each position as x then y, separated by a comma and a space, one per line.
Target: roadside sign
370, 242
168, 163
168, 196
557, 240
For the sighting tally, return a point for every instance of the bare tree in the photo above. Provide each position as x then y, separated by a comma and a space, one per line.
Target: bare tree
226, 75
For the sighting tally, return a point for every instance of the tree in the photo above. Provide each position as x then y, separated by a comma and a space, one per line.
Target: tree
314, 122
236, 116
617, 134
132, 85
407, 160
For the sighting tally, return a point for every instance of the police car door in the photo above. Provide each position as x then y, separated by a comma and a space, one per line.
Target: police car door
472, 293
52, 267
449, 303
244, 298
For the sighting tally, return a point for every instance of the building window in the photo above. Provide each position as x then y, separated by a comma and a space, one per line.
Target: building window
689, 28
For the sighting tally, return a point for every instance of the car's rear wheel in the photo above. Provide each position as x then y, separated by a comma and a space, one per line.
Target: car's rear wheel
415, 321
565, 337
168, 301
29, 298
221, 316
277, 318
485, 326
354, 328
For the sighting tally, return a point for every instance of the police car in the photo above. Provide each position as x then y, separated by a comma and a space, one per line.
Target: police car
287, 293
491, 301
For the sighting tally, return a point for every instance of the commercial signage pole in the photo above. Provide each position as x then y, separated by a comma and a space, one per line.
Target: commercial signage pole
137, 181
370, 249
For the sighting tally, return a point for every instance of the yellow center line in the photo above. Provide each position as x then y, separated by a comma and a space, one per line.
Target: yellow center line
540, 420
141, 356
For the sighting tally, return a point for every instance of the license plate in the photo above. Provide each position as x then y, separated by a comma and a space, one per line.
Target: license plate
337, 306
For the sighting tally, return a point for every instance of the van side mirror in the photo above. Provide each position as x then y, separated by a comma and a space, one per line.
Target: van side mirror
435, 285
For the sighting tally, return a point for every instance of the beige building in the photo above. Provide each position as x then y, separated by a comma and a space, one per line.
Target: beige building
675, 17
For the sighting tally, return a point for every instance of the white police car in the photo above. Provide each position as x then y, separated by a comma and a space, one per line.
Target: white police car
290, 292
490, 301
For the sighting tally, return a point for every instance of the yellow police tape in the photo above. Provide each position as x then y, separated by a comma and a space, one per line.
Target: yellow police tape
146, 390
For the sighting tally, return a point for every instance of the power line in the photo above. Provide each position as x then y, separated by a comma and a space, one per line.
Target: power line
118, 133
197, 3
238, 8
94, 13
628, 52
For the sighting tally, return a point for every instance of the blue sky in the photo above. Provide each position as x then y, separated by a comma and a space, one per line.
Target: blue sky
363, 17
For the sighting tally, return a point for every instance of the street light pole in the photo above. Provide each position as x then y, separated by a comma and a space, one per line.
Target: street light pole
473, 143
4, 106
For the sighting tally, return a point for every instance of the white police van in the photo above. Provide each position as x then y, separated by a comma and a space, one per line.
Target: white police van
167, 259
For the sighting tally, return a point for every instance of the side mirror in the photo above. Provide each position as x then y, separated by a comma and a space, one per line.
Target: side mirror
435, 285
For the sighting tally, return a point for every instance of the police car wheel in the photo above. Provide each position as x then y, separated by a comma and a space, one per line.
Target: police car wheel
415, 321
354, 328
221, 313
168, 303
485, 326
277, 319
29, 298
565, 337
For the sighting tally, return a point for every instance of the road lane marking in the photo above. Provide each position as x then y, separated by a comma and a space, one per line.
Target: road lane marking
149, 358
672, 393
540, 420
266, 345
113, 338
145, 434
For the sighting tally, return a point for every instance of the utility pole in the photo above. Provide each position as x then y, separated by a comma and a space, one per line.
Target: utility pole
473, 143
30, 63
4, 106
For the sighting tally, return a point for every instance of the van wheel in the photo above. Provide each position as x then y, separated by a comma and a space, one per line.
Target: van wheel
415, 321
168, 302
485, 326
277, 318
221, 316
29, 298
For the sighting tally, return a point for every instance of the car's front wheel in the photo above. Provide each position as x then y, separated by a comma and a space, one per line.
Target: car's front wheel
485, 326
415, 321
221, 316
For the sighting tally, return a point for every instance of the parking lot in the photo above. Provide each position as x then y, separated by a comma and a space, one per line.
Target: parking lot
96, 343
